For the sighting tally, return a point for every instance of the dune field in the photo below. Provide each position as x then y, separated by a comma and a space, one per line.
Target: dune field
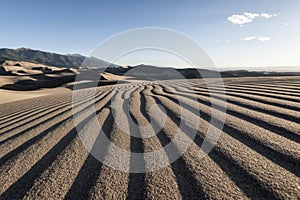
257, 155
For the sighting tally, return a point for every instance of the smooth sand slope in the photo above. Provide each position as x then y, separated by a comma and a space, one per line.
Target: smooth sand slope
7, 96
257, 155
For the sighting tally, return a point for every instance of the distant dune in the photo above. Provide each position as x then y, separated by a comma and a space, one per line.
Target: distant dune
20, 75
34, 63
25, 76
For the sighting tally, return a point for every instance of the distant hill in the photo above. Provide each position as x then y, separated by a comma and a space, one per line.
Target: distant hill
52, 59
163, 73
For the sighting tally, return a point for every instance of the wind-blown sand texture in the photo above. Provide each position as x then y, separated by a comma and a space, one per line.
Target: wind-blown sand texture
257, 155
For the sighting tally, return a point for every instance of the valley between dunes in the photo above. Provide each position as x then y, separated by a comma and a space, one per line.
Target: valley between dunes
256, 157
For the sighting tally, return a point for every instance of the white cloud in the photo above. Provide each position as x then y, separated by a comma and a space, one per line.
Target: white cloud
250, 38
259, 38
251, 15
248, 17
242, 19
264, 39
267, 16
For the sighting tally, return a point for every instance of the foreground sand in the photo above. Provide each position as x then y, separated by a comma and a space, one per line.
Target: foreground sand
257, 155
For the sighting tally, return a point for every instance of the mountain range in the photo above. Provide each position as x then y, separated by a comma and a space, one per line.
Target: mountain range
51, 59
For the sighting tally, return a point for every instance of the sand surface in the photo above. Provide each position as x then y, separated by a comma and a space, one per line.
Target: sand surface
7, 96
256, 157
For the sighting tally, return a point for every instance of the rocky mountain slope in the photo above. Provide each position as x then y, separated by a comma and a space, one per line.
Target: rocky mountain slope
47, 58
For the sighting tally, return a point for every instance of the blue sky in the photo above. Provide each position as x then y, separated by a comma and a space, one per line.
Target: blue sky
79, 26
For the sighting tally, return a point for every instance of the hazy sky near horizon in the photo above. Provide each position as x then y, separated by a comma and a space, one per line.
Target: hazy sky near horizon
234, 33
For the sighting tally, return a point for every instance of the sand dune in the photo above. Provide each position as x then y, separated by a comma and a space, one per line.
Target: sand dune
25, 76
257, 155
